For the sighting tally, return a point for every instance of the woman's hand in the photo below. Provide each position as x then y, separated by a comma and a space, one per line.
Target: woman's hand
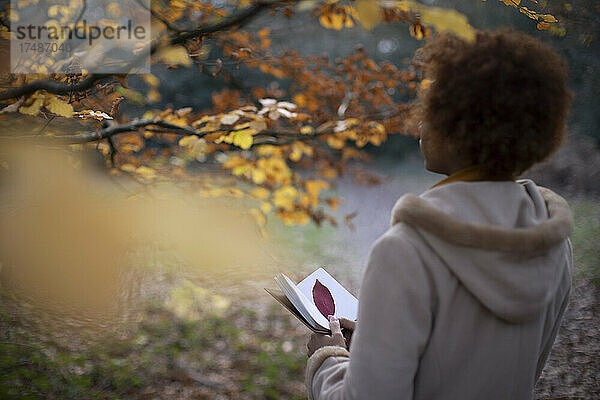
348, 327
318, 340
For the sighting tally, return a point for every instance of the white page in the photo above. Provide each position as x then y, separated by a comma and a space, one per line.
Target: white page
346, 305
305, 306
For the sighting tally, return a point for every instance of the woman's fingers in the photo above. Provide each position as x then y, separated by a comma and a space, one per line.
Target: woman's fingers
336, 330
347, 323
319, 340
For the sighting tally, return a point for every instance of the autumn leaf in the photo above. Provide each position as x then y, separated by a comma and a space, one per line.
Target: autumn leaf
59, 107
284, 197
145, 172
243, 139
151, 80
369, 13
314, 188
442, 19
260, 193
229, 119
188, 141
323, 299
34, 107
175, 55
335, 21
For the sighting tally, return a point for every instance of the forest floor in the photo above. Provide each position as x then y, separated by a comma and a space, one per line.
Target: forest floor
220, 350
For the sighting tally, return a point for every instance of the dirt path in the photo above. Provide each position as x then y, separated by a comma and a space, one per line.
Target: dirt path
573, 368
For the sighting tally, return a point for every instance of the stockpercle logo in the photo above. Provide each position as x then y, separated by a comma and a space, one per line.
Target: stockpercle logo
99, 36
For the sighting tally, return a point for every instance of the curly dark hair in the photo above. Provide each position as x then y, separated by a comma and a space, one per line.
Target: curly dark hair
502, 98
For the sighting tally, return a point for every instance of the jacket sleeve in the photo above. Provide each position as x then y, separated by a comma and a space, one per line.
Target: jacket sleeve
394, 323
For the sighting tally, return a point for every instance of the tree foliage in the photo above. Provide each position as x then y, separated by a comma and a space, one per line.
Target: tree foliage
282, 152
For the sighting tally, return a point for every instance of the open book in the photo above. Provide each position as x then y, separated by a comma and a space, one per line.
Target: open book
314, 299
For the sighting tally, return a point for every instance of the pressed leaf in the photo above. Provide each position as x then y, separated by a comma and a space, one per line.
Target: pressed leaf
323, 299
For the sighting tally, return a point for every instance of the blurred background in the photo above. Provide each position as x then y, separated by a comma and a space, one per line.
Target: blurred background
132, 264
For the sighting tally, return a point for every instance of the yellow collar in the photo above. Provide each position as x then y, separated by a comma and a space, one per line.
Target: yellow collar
470, 174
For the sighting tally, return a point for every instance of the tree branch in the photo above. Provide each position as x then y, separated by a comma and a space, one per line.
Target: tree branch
62, 88
270, 136
238, 19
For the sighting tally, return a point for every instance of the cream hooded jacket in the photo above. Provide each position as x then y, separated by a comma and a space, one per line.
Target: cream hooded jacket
461, 298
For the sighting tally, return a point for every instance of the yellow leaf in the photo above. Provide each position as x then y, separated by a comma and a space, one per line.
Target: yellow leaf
284, 197
260, 193
306, 130
263, 33
442, 19
59, 107
548, 18
188, 141
153, 96
242, 126
448, 20
335, 21
328, 173
128, 167
333, 202
266, 207
242, 139
369, 13
314, 188
175, 55
240, 170
151, 80
145, 172
34, 108
258, 176
234, 162
335, 142
379, 128
297, 217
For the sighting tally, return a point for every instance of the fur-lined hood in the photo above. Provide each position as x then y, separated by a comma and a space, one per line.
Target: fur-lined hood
481, 230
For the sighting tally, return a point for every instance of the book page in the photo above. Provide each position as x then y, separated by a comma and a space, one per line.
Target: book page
346, 305
305, 306
285, 302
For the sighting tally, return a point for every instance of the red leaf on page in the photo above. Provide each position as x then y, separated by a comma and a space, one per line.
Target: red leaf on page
323, 299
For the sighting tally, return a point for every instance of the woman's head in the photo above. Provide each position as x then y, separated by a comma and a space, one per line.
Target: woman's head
500, 102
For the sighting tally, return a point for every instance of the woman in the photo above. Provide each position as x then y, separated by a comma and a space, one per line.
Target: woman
462, 297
